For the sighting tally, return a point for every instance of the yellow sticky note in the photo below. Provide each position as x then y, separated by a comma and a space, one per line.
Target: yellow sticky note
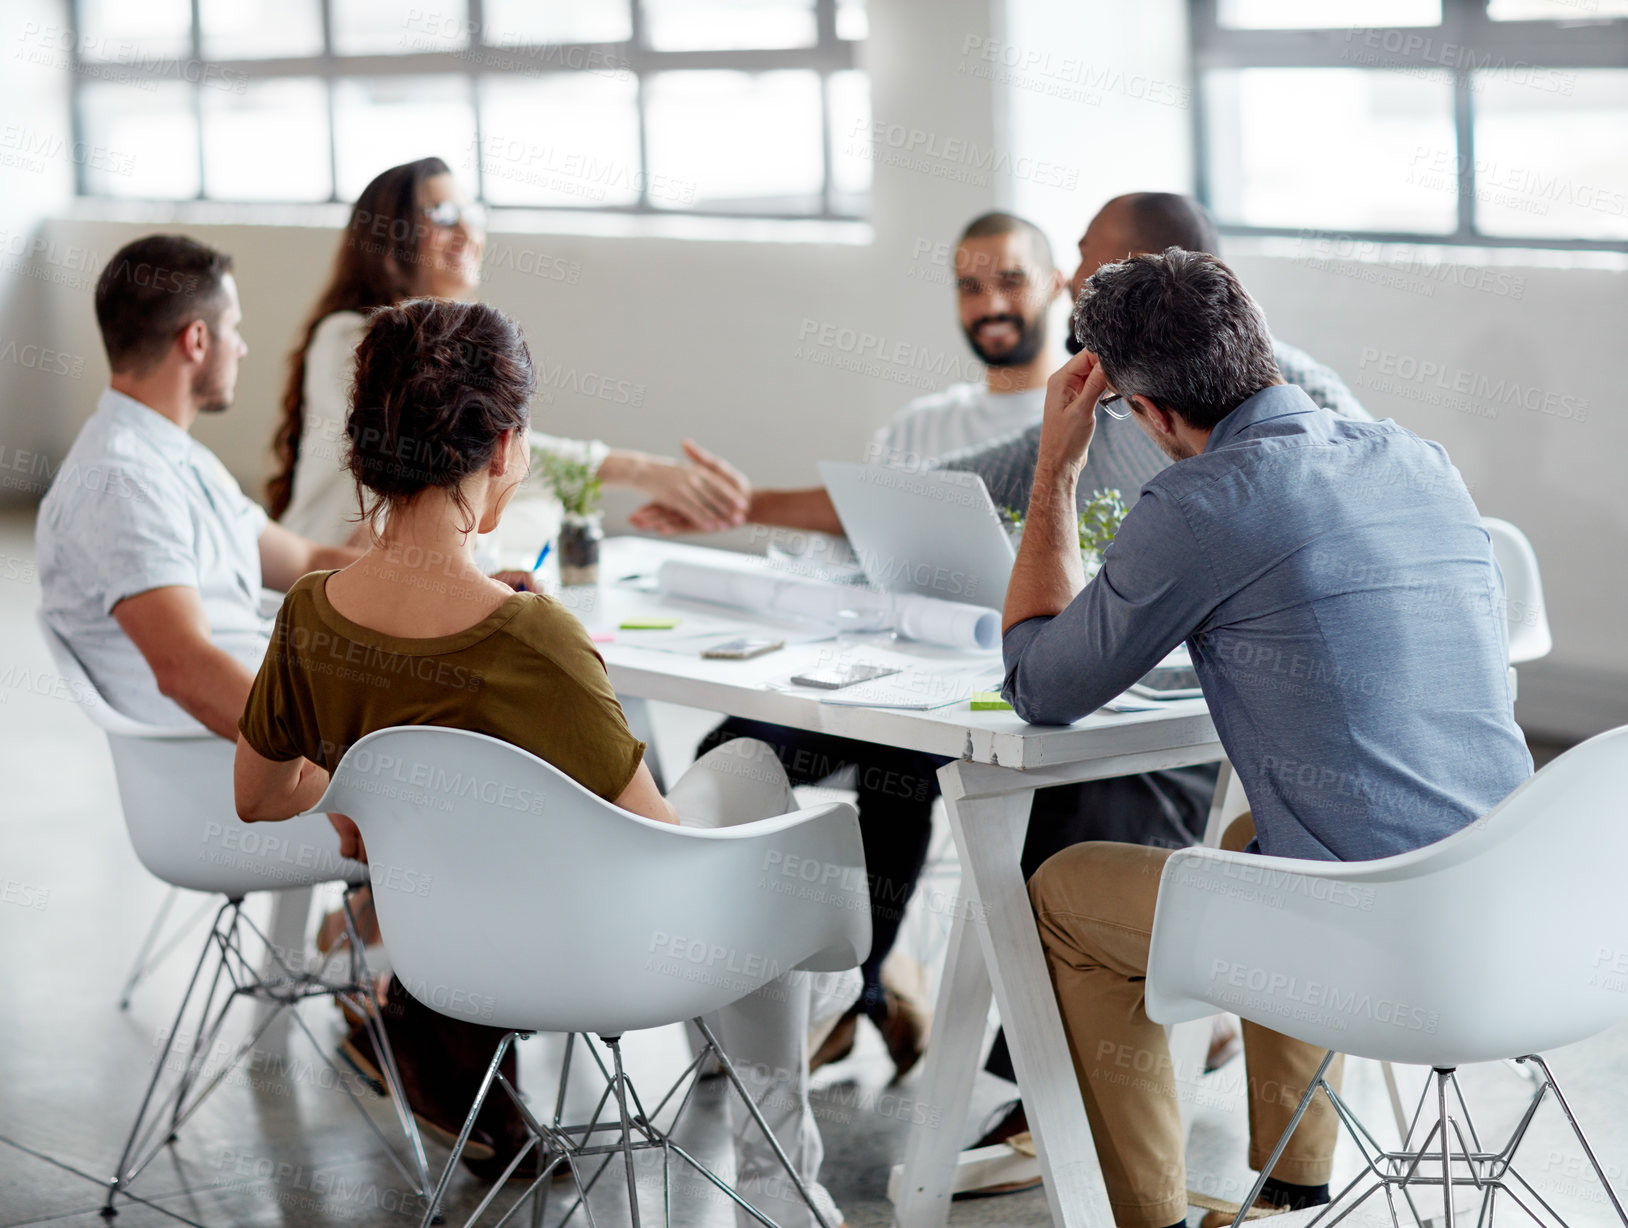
650, 624
989, 701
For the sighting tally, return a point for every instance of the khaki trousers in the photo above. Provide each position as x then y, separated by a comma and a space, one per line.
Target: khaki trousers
1094, 906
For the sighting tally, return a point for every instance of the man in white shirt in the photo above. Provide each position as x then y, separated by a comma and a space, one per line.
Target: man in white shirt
1005, 285
1006, 282
151, 557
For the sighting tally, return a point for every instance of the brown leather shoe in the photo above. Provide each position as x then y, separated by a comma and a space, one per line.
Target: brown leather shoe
434, 1120
1009, 1126
1220, 1216
1012, 1120
904, 1027
838, 1042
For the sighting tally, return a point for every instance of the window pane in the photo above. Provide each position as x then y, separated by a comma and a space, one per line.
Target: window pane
850, 95
1555, 10
150, 133
563, 139
380, 122
260, 29
853, 22
1325, 14
511, 22
268, 143
383, 27
1551, 152
743, 142
726, 25
135, 33
1273, 162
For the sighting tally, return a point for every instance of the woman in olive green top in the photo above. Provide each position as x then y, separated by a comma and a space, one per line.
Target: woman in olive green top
414, 633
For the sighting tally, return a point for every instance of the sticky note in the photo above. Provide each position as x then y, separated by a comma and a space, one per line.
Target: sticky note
989, 701
602, 637
650, 624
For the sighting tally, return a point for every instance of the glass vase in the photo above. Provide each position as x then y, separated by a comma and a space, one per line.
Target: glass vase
579, 548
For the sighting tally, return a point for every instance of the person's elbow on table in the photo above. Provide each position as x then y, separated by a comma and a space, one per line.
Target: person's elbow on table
1032, 692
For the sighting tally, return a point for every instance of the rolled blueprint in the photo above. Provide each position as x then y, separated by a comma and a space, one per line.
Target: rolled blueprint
950, 624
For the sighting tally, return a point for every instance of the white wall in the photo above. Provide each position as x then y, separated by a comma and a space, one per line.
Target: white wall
37, 156
1100, 89
1513, 362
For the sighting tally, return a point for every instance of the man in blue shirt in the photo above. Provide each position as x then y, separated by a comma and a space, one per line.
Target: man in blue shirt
1337, 593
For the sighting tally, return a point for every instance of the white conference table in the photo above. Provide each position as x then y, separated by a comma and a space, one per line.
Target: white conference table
998, 761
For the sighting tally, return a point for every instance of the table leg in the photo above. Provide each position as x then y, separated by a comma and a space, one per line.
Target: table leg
988, 810
950, 1069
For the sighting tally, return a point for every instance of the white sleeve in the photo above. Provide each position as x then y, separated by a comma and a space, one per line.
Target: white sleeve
590, 452
324, 492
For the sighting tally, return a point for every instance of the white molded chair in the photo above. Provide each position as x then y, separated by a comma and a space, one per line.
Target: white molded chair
1524, 611
548, 909
1421, 958
175, 788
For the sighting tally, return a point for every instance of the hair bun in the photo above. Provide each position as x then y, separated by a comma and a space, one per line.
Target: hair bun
438, 384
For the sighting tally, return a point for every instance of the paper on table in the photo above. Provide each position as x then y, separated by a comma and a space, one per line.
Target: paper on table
946, 623
914, 689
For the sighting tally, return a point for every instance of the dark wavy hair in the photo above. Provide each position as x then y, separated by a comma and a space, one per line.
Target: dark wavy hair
376, 266
438, 385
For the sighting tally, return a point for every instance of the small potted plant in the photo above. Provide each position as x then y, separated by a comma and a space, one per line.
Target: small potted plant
581, 526
1099, 521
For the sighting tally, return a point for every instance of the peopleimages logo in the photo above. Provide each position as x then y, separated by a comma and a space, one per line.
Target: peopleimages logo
1322, 996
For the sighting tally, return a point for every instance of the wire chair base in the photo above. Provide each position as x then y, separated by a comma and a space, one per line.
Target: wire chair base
225, 976
619, 1119
1448, 1158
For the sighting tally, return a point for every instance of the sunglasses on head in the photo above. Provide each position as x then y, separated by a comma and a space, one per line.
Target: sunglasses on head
446, 214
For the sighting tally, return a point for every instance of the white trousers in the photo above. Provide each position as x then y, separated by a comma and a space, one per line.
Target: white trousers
766, 1033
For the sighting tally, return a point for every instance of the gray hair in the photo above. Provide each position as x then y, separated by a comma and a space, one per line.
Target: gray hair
1179, 330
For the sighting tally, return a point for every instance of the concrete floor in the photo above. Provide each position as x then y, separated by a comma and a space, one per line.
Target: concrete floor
280, 1144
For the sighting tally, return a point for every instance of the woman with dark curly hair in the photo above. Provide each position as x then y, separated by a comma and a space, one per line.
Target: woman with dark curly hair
413, 633
413, 233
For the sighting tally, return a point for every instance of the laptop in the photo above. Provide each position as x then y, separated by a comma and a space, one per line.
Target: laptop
935, 533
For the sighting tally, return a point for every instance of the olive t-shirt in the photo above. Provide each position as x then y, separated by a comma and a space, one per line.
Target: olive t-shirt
526, 673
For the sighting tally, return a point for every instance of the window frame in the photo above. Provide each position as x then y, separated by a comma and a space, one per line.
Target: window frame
1586, 42
478, 59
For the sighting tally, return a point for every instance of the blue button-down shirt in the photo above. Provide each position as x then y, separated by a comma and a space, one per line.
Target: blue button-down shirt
1338, 595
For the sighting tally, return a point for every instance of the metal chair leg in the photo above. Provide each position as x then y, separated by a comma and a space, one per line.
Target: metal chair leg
140, 967
468, 1128
779, 1152
113, 1186
619, 1086
1582, 1139
280, 987
1283, 1141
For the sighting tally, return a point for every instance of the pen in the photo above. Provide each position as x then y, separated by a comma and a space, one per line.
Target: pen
541, 555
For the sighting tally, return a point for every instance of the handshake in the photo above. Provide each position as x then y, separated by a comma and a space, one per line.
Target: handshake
704, 494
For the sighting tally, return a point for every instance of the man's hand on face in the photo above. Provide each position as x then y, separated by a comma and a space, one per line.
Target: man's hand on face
1070, 419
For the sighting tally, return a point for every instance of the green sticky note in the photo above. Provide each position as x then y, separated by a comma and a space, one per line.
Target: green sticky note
989, 701
650, 624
